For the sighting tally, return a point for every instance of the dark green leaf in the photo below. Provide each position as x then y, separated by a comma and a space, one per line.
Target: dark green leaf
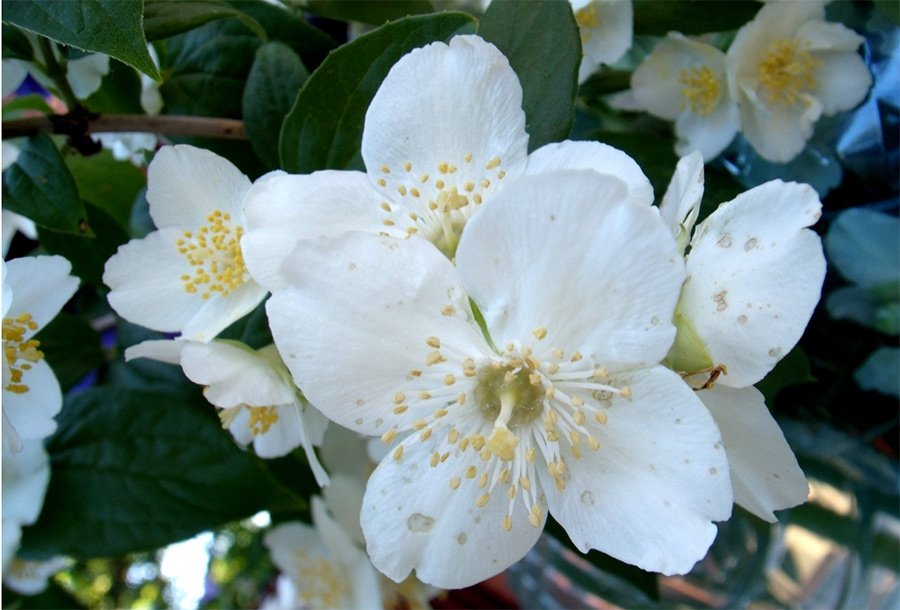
106, 183
138, 470
791, 370
658, 17
40, 187
275, 79
112, 27
252, 329
25, 105
164, 18
15, 44
374, 12
604, 81
654, 152
540, 38
119, 92
88, 254
140, 223
71, 347
324, 128
146, 374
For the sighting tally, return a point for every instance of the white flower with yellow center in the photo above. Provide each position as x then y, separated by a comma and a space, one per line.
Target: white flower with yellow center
789, 66
25, 478
325, 567
557, 404
754, 275
444, 135
606, 28
685, 81
259, 403
188, 276
34, 291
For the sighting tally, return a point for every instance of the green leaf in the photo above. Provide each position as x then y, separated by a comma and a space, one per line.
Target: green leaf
653, 151
658, 17
112, 27
272, 86
374, 12
138, 470
39, 186
793, 369
15, 44
324, 128
106, 183
164, 18
88, 254
604, 81
71, 348
119, 92
22, 106
541, 40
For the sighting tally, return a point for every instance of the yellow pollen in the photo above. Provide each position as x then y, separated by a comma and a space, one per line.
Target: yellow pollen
414, 192
483, 500
389, 436
468, 157
471, 471
419, 424
593, 443
587, 17
319, 583
507, 523
400, 409
503, 443
540, 332
381, 182
399, 397
477, 198
576, 357
625, 393
402, 190
215, 254
20, 353
525, 483
511, 492
469, 187
261, 419
535, 517
408, 166
453, 436
439, 184
448, 310
426, 434
454, 483
449, 379
439, 413
435, 358
398, 453
415, 373
702, 90
492, 163
504, 475
424, 178
787, 71
483, 480
435, 459
486, 455
385, 169
600, 417
529, 455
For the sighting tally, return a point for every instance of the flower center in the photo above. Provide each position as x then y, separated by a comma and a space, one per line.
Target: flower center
587, 18
787, 71
260, 421
702, 89
441, 199
319, 582
20, 353
215, 253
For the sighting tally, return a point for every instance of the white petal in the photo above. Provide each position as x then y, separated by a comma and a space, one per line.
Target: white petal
31, 413
608, 41
601, 158
344, 496
285, 539
458, 104
709, 134
40, 285
185, 184
282, 209
764, 471
85, 74
567, 252
355, 320
14, 72
413, 520
218, 313
754, 277
777, 132
649, 495
828, 36
863, 245
25, 478
681, 203
842, 82
161, 350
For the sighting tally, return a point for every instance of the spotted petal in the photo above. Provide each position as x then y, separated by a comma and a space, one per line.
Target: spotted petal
754, 277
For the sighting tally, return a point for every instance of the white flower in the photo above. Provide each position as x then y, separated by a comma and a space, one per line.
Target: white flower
324, 566
25, 479
685, 81
30, 577
444, 134
253, 388
85, 74
560, 404
12, 222
754, 277
189, 276
606, 28
789, 66
34, 291
131, 147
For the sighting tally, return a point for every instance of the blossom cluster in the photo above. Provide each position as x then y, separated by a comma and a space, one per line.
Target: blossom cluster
525, 332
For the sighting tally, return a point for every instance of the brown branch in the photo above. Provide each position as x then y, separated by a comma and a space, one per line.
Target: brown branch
208, 127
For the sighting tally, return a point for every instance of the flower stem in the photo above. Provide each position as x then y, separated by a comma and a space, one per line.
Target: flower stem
57, 72
211, 127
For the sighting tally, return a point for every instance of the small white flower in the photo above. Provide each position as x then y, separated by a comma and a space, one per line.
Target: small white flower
34, 291
685, 81
606, 28
30, 577
259, 403
25, 479
754, 276
789, 66
131, 147
188, 276
12, 222
325, 567
558, 405
444, 134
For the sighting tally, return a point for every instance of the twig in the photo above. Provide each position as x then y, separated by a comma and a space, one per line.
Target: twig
209, 127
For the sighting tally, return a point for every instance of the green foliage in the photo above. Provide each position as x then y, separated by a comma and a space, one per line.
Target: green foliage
40, 187
374, 12
324, 128
139, 470
164, 18
15, 44
106, 183
272, 86
72, 348
103, 26
659, 17
541, 41
119, 92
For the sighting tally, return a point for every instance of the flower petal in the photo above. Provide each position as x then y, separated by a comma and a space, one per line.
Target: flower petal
764, 471
40, 285
601, 158
443, 107
842, 82
754, 277
709, 134
25, 479
282, 209
161, 350
185, 184
606, 35
777, 132
681, 203
355, 319
31, 413
567, 252
649, 495
413, 520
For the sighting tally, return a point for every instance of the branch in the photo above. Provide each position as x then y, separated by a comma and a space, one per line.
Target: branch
208, 127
